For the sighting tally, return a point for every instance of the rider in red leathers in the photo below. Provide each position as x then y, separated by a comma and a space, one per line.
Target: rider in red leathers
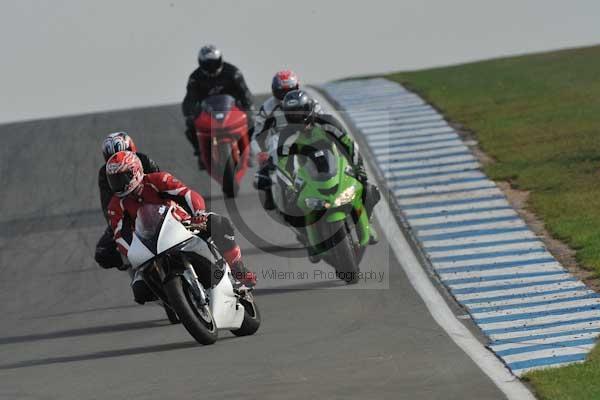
106, 254
133, 188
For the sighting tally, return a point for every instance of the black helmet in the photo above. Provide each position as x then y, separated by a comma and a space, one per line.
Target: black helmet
298, 107
210, 60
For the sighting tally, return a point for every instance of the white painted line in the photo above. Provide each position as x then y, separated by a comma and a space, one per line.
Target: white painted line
411, 141
379, 106
466, 166
402, 120
532, 299
507, 282
487, 362
529, 322
522, 335
421, 154
525, 290
416, 149
366, 116
561, 351
522, 246
414, 130
438, 178
416, 213
378, 99
480, 239
547, 341
505, 212
440, 266
440, 190
528, 269
400, 123
429, 151
426, 163
418, 132
546, 307
523, 371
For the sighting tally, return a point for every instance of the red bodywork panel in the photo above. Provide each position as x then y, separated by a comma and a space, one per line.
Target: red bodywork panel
226, 128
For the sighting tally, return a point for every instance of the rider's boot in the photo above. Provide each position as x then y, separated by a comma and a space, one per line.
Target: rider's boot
141, 291
239, 271
373, 236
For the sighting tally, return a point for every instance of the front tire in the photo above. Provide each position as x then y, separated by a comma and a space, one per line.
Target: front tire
171, 315
196, 319
343, 255
230, 186
251, 321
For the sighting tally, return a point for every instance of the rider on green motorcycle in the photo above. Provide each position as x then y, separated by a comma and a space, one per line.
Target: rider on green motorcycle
299, 112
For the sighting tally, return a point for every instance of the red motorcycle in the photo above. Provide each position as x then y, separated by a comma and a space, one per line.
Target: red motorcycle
222, 129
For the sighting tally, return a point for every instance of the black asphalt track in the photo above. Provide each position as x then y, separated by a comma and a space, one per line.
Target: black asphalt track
70, 330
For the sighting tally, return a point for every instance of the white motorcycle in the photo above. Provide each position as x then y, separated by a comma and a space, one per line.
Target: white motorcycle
190, 276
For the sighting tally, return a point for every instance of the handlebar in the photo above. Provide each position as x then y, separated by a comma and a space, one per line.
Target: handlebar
193, 228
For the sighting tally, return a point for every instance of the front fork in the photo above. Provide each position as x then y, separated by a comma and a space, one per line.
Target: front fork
155, 276
360, 219
363, 226
189, 274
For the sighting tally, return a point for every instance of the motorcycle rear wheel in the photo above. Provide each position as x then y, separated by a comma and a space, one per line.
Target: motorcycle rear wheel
197, 319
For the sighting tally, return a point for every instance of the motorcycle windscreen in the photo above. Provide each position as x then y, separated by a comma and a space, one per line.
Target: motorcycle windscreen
148, 223
321, 165
218, 106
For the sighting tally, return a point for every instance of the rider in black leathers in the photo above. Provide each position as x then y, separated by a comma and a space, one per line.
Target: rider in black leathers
214, 77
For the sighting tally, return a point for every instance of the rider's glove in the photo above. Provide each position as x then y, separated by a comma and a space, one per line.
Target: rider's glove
361, 174
200, 218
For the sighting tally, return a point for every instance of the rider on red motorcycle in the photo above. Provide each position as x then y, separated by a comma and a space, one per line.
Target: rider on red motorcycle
133, 188
213, 77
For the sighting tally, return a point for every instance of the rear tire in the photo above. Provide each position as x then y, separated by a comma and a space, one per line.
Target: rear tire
251, 321
199, 323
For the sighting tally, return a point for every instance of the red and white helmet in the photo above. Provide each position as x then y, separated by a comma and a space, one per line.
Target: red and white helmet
283, 82
115, 142
124, 172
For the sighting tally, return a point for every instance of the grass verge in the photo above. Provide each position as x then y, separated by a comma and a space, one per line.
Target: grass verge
538, 117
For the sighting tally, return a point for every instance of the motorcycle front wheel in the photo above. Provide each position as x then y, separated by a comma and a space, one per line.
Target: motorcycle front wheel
230, 186
196, 318
342, 253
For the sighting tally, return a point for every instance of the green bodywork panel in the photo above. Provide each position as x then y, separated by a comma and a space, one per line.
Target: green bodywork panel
302, 184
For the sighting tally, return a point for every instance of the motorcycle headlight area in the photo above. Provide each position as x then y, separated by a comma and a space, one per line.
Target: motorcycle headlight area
345, 197
316, 204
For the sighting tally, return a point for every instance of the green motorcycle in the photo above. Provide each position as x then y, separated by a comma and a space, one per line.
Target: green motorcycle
315, 190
